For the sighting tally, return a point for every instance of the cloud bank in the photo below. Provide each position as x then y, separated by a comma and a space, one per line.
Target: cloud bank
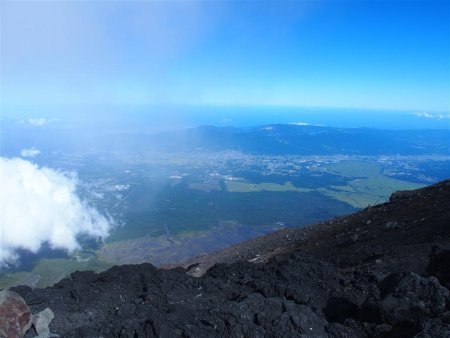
29, 152
39, 205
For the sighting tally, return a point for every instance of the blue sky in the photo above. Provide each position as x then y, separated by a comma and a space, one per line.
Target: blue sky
356, 54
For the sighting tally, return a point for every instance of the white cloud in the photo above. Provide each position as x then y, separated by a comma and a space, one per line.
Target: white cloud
40, 121
433, 116
305, 124
299, 124
40, 205
30, 152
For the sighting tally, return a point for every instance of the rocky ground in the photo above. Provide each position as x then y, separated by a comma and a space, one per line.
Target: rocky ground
382, 272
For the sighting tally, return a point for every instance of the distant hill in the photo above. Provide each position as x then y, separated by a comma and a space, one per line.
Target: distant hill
269, 139
308, 140
381, 272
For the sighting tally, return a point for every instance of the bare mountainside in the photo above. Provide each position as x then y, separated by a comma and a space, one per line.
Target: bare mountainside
381, 272
385, 234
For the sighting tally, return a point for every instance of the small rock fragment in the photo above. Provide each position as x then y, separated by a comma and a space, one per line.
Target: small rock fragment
42, 320
391, 225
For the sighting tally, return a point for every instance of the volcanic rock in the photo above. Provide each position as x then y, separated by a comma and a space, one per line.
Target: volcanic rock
15, 316
320, 281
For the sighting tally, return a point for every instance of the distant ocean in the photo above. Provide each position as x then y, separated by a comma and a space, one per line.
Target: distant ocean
175, 117
180, 116
341, 118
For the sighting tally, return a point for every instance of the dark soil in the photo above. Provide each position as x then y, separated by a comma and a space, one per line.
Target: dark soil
382, 272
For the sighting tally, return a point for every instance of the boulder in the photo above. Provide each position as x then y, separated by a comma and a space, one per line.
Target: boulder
439, 266
408, 297
15, 316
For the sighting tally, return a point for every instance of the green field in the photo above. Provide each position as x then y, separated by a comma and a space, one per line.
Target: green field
240, 186
371, 187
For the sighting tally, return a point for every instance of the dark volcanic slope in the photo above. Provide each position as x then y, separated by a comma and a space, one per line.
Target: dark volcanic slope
411, 223
383, 272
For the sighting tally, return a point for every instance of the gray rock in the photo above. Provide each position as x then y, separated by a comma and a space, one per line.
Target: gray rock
41, 322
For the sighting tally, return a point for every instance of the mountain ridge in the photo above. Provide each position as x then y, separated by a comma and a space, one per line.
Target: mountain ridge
264, 139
